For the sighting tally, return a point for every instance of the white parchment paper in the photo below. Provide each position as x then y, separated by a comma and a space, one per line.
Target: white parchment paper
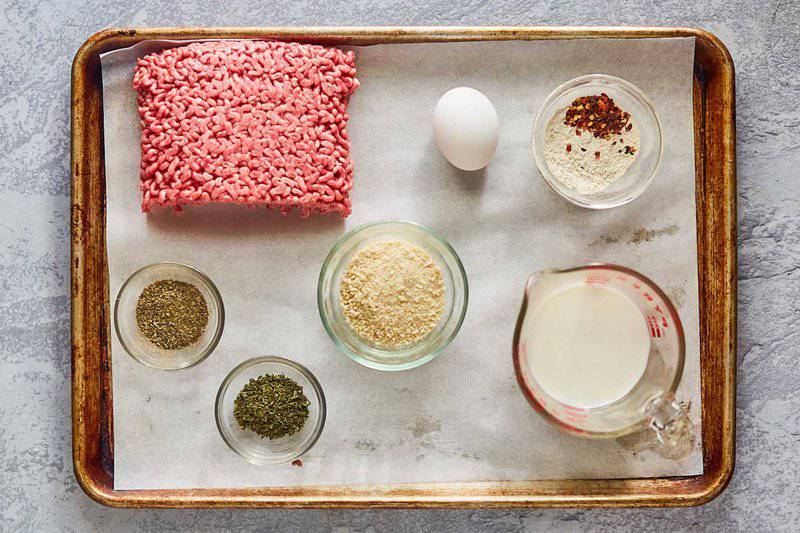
460, 417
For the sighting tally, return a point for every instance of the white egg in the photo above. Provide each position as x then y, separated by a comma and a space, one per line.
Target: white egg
466, 128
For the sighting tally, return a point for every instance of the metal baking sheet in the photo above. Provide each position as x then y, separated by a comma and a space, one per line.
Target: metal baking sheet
442, 359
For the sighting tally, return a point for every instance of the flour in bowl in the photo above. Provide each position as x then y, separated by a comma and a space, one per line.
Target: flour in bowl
590, 144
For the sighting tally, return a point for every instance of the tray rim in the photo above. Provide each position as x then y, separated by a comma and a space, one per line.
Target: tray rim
716, 174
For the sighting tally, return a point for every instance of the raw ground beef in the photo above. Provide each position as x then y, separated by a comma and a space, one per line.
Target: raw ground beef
252, 122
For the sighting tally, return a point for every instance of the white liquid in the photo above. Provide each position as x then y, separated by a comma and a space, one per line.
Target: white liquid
587, 346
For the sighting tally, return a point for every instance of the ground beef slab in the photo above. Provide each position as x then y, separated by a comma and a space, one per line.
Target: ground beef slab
251, 122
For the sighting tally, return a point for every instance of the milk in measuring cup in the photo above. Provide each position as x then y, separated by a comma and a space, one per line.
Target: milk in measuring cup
588, 345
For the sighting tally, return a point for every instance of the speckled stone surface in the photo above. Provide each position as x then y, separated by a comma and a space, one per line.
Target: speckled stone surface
38, 491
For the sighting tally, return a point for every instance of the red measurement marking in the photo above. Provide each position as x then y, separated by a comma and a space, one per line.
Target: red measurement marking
636, 286
575, 417
648, 297
658, 309
664, 322
652, 325
597, 280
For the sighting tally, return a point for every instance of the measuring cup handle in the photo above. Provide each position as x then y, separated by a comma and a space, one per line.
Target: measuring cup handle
668, 419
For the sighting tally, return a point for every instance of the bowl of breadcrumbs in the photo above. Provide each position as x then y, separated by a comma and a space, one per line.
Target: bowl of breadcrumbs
392, 295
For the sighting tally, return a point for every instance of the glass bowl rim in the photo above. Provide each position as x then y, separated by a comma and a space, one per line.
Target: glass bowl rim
212, 344
544, 170
406, 365
306, 373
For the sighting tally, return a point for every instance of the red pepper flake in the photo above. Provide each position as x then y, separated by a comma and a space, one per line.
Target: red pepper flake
297, 462
605, 120
597, 155
569, 148
630, 150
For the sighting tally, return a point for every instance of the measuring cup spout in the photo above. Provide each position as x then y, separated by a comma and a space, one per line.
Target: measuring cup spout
536, 278
533, 279
668, 419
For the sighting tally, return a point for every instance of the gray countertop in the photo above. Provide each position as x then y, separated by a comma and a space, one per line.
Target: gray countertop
39, 491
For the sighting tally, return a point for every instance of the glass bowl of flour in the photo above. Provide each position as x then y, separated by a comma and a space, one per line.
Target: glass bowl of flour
597, 141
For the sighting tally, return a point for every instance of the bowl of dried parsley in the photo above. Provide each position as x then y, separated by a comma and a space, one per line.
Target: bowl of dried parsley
169, 316
270, 410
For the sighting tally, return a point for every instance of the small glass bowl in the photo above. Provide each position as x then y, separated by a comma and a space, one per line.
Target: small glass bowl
631, 99
360, 349
138, 346
265, 451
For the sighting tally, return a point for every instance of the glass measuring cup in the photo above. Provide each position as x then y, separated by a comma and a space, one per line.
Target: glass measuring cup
651, 401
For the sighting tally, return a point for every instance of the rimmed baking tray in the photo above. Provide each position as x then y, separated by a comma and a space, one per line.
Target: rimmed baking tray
715, 164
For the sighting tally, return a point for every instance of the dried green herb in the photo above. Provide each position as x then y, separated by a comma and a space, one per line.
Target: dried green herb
171, 314
272, 406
